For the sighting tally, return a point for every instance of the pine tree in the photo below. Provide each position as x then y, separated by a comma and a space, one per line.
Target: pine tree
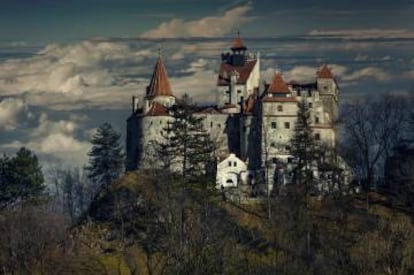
305, 149
186, 143
21, 177
106, 156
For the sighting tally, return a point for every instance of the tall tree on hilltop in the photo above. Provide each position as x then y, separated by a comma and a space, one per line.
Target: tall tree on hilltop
21, 177
106, 156
186, 142
306, 153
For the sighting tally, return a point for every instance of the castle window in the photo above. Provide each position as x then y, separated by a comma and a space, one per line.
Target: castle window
274, 160
280, 108
235, 164
309, 93
273, 125
310, 104
239, 91
218, 125
211, 124
316, 119
273, 144
229, 163
287, 125
318, 136
227, 92
287, 148
160, 121
290, 160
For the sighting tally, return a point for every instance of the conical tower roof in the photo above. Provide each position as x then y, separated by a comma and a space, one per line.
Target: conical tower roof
238, 43
324, 72
159, 85
278, 85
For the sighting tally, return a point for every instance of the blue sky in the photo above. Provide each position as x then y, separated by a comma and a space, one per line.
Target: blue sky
68, 66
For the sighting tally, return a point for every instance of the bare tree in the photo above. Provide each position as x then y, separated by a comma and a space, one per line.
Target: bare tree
372, 128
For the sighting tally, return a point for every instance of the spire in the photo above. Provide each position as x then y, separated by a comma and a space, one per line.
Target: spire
159, 85
278, 85
237, 43
324, 72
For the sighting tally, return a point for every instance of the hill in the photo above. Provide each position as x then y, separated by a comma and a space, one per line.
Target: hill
152, 224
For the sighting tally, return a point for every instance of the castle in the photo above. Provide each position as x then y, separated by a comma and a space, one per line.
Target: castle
253, 120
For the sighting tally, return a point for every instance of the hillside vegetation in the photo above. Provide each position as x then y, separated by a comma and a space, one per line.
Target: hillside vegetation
152, 224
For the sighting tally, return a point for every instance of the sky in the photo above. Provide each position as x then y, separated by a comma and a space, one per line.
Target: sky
68, 66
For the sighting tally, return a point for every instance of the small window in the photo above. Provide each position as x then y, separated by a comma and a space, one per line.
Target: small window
160, 122
229, 163
234, 164
287, 125
287, 148
273, 125
227, 92
290, 160
274, 160
273, 144
239, 91
310, 104
218, 125
318, 136
280, 108
211, 124
316, 119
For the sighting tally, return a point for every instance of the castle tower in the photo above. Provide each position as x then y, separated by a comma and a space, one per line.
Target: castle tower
239, 76
328, 90
159, 88
145, 124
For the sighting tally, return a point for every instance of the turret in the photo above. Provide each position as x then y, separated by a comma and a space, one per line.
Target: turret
159, 88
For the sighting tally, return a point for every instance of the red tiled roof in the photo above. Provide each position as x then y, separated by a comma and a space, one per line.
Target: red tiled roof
237, 43
324, 72
243, 71
159, 85
278, 85
279, 99
157, 109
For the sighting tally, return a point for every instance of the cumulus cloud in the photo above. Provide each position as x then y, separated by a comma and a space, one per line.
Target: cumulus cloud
211, 26
12, 111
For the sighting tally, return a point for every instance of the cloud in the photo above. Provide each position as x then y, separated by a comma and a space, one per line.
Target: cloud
211, 26
54, 141
363, 34
303, 74
368, 72
12, 112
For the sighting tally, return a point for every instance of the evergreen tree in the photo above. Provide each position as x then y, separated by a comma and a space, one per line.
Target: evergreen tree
305, 149
186, 144
106, 156
21, 177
